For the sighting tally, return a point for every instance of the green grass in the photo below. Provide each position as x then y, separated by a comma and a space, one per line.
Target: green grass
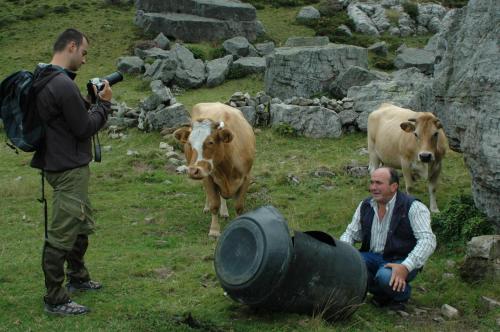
151, 248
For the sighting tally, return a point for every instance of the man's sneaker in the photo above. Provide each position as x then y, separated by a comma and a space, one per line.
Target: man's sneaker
66, 309
83, 286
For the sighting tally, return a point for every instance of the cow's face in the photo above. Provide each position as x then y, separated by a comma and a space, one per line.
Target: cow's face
426, 129
203, 146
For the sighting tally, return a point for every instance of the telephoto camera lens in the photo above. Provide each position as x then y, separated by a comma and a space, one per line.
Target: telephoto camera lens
113, 78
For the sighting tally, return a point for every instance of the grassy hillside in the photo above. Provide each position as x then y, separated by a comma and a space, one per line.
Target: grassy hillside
151, 248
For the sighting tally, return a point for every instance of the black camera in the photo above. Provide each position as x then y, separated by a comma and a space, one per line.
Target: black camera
112, 78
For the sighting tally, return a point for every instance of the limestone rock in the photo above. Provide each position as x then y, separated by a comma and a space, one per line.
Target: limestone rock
307, 41
466, 86
190, 72
414, 57
237, 46
307, 15
130, 64
248, 65
310, 121
307, 71
217, 70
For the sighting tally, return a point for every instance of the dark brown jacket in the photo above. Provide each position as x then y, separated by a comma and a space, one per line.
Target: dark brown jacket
69, 123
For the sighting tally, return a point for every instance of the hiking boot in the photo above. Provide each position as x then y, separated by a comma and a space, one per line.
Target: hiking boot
380, 302
69, 308
83, 286
390, 304
397, 306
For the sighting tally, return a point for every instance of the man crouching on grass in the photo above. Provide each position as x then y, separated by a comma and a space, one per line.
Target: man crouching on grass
396, 239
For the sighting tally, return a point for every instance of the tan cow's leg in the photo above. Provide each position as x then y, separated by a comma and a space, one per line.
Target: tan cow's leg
207, 205
240, 196
374, 161
223, 212
213, 197
433, 181
405, 167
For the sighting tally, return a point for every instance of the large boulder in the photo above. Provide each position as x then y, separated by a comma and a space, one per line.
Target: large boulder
217, 70
310, 121
467, 96
237, 46
190, 72
248, 65
218, 9
409, 88
130, 64
165, 117
362, 20
198, 20
161, 69
308, 71
307, 41
307, 15
353, 76
415, 57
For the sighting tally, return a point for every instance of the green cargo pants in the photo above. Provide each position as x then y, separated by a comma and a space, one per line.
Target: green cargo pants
67, 232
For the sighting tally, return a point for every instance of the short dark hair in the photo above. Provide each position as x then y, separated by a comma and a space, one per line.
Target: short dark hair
394, 176
68, 36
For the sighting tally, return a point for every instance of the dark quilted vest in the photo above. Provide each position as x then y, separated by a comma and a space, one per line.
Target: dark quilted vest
400, 239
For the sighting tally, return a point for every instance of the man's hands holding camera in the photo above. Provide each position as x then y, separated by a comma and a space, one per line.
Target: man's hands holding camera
106, 93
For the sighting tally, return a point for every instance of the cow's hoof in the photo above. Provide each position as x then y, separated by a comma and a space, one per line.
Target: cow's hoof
224, 215
214, 234
435, 210
206, 210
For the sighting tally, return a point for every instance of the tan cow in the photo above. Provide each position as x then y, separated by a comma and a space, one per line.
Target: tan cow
412, 141
220, 149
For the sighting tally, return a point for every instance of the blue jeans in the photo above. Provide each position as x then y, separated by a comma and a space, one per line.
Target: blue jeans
380, 276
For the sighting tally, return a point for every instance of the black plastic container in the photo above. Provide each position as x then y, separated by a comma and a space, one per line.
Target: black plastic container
259, 264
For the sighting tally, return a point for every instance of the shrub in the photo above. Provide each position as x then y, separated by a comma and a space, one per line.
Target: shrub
392, 16
411, 8
197, 52
217, 52
460, 221
383, 63
285, 130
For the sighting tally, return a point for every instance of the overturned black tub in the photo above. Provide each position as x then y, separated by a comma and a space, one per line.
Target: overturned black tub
259, 264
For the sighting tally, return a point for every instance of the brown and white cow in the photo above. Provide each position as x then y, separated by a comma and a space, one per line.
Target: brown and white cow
414, 142
220, 148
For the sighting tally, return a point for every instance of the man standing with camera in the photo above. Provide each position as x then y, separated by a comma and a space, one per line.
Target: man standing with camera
64, 159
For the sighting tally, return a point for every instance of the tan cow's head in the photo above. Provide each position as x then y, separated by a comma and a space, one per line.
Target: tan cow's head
203, 146
428, 131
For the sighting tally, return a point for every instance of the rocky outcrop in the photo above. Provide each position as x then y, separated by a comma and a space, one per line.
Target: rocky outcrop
371, 18
467, 92
307, 71
198, 20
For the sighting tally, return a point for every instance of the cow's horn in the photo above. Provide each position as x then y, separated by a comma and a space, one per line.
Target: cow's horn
221, 125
